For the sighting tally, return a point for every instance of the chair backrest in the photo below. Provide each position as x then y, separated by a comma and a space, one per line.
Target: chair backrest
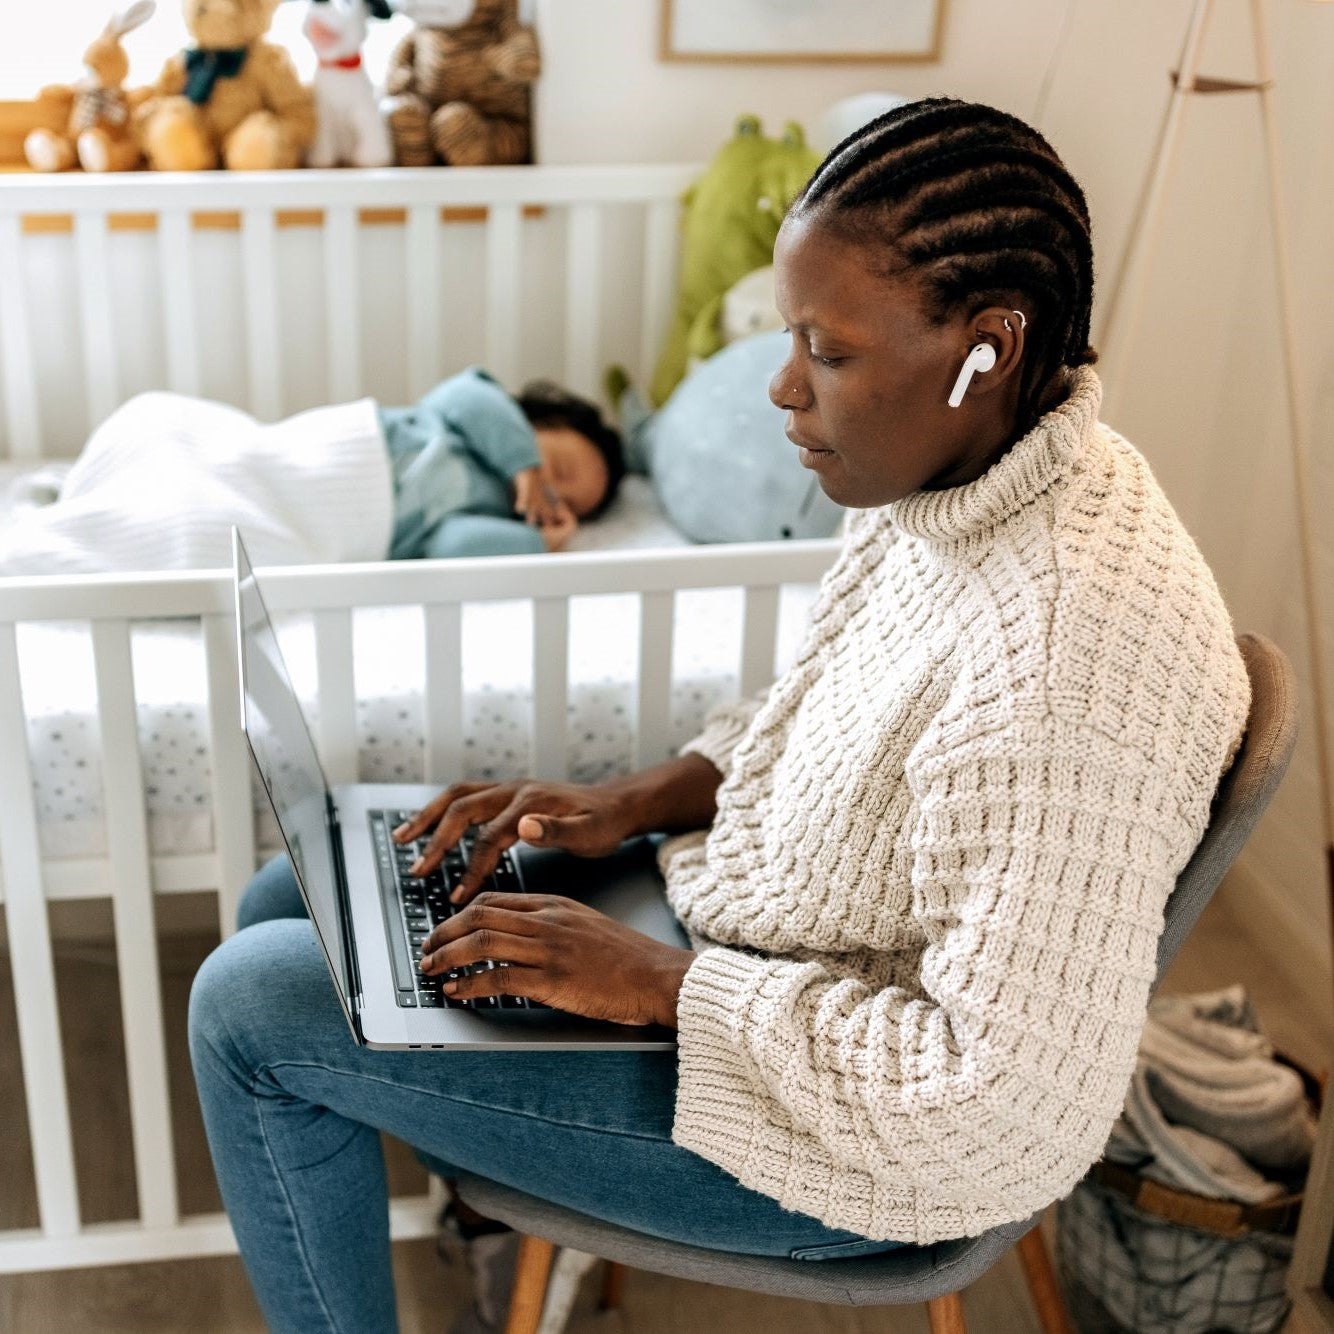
1243, 793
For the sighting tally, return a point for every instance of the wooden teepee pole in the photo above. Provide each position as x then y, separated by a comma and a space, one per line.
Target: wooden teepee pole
1296, 437
1122, 310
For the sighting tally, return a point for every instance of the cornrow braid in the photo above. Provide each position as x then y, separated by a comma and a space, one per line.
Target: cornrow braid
977, 206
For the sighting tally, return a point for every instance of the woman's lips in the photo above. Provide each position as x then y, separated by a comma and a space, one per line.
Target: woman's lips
811, 455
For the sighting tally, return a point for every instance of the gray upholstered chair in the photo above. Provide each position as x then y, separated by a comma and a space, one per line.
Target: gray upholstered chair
932, 1274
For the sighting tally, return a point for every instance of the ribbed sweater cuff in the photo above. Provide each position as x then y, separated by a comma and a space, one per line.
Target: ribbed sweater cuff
715, 1106
720, 737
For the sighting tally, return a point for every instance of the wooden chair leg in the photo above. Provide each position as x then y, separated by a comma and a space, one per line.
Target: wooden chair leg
945, 1314
530, 1285
613, 1287
1042, 1286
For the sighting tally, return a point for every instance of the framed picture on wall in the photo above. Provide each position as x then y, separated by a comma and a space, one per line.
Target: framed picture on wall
802, 30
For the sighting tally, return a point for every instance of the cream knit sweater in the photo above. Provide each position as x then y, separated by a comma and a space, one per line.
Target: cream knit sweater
929, 905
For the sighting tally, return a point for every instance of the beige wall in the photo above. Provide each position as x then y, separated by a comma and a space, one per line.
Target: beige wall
1200, 388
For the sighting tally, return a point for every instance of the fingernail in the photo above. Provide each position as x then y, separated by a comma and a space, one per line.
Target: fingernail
456, 895
425, 964
402, 829
450, 987
416, 867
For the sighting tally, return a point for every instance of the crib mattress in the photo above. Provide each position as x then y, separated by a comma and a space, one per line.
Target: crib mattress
56, 664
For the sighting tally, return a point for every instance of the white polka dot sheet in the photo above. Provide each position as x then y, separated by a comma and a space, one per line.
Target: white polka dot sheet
169, 669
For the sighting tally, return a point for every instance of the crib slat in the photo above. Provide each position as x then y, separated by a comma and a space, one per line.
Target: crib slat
136, 931
99, 336
337, 695
759, 636
583, 298
233, 811
551, 667
263, 354
31, 965
660, 223
175, 251
503, 260
423, 284
657, 624
442, 703
23, 424
342, 302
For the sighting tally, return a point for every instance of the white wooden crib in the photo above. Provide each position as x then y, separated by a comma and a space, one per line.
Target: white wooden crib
277, 292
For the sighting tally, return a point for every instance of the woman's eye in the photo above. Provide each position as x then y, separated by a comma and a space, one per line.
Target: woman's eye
827, 361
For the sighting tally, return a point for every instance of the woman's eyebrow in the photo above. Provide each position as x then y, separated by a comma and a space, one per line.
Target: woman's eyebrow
808, 327
827, 335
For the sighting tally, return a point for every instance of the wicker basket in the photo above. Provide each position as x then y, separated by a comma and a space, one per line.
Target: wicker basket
1138, 1257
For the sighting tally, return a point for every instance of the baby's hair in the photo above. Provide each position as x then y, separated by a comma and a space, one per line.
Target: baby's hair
979, 209
545, 403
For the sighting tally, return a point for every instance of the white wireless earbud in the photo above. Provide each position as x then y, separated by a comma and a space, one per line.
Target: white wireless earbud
981, 359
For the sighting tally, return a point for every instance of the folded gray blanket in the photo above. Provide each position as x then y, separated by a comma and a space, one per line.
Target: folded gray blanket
1209, 1109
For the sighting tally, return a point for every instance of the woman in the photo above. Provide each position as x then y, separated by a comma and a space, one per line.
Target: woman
924, 874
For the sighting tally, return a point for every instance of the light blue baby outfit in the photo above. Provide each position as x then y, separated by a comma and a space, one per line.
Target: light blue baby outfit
453, 456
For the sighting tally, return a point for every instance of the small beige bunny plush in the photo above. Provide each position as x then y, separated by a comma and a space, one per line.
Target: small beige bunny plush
98, 133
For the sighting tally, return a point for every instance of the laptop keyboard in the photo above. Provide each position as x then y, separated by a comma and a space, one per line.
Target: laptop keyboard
415, 904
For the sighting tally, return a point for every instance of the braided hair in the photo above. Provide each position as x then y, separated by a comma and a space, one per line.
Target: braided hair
978, 208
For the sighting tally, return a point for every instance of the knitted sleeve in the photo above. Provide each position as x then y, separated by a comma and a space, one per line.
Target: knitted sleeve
1043, 854
723, 729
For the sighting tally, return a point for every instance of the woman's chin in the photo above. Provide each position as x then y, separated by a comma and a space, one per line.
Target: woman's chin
837, 489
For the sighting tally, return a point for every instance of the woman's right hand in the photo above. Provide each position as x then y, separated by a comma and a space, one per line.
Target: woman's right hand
590, 821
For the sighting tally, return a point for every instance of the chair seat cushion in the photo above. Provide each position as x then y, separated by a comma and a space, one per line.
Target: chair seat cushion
899, 1277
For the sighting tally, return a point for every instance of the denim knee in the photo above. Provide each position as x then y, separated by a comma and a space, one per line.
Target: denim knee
272, 892
211, 993
233, 991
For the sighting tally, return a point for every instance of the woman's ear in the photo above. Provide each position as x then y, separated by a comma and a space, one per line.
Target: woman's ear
1002, 330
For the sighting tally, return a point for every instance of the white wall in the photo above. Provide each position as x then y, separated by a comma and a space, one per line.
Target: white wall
1201, 391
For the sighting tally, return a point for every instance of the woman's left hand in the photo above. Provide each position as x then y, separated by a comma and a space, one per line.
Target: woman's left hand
562, 953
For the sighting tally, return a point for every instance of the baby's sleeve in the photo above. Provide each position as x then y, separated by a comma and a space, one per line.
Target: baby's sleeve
490, 422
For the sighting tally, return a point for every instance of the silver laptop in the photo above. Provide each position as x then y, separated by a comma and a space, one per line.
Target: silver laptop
371, 916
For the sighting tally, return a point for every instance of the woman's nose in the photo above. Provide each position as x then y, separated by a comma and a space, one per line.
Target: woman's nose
787, 389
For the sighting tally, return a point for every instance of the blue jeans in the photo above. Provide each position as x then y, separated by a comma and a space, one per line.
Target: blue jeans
293, 1109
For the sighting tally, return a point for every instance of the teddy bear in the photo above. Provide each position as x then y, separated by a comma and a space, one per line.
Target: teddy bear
97, 132
232, 98
457, 90
730, 219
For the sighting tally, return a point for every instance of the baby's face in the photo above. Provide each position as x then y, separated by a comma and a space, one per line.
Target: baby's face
576, 468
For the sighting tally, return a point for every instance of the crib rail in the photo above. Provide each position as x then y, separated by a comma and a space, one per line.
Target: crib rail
129, 876
543, 262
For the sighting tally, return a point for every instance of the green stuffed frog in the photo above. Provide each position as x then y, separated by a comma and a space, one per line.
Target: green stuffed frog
730, 218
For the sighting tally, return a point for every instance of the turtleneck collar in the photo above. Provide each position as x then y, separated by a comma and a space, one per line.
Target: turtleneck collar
1056, 447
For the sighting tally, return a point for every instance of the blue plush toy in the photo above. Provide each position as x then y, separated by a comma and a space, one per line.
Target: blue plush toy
720, 462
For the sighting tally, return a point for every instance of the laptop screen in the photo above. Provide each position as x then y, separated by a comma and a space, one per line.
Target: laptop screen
285, 756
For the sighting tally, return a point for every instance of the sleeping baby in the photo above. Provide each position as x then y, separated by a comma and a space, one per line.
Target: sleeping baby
467, 457
467, 470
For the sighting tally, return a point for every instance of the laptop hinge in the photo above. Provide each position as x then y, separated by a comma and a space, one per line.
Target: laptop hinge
344, 905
